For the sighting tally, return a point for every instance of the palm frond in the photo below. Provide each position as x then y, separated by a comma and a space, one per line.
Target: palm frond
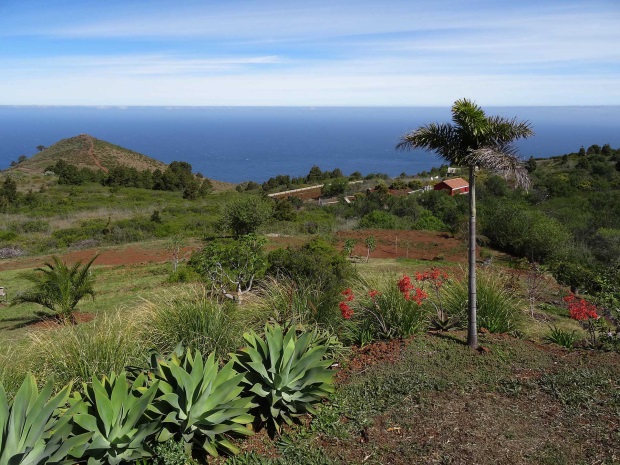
502, 159
436, 137
505, 130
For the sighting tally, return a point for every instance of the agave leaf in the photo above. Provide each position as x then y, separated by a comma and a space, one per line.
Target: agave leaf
88, 422
119, 395
210, 448
259, 368
224, 391
136, 412
274, 340
259, 390
226, 444
102, 403
19, 411
198, 366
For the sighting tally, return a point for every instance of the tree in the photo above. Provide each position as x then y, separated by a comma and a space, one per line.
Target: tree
530, 165
40, 148
475, 140
9, 190
371, 245
59, 287
231, 265
245, 214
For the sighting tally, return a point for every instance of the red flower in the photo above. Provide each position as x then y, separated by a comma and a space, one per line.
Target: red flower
373, 293
404, 285
345, 310
410, 292
580, 309
348, 293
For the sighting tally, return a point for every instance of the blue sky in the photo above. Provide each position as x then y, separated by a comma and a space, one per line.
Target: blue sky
310, 53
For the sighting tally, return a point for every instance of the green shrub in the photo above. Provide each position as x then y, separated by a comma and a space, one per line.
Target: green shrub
285, 373
379, 219
316, 262
170, 452
6, 236
187, 316
498, 310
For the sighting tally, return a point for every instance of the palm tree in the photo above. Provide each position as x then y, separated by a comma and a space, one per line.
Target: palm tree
59, 287
475, 140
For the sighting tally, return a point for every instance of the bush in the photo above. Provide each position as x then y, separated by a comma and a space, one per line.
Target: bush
316, 263
498, 310
379, 219
245, 215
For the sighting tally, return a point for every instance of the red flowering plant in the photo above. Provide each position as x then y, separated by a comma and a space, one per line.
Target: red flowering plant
346, 311
386, 311
434, 279
585, 312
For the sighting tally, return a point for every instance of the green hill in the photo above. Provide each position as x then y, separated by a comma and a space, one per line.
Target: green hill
85, 151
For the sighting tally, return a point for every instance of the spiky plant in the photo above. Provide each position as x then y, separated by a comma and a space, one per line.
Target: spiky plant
59, 287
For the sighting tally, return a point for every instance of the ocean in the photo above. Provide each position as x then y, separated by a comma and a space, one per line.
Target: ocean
237, 144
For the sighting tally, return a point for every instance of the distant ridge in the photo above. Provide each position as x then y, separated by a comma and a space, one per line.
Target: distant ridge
85, 151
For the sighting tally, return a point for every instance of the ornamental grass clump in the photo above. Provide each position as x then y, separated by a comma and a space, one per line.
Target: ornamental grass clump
188, 316
77, 353
499, 310
285, 373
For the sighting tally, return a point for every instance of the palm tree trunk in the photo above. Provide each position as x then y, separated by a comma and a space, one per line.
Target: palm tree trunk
472, 330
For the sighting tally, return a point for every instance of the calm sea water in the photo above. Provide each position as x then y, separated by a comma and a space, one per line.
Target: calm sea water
247, 143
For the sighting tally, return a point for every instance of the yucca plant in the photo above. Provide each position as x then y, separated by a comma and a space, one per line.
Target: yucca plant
33, 429
118, 415
200, 403
285, 373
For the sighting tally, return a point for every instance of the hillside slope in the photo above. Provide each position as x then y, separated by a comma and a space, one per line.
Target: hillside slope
85, 151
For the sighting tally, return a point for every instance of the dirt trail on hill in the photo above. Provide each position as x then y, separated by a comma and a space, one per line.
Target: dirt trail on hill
91, 153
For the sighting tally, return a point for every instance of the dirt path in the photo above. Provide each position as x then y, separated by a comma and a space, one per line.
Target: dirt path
91, 153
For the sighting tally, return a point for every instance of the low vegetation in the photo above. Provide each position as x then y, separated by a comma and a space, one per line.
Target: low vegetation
265, 322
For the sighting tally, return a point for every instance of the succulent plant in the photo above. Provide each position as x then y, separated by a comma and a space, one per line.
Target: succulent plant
285, 373
33, 428
118, 415
200, 403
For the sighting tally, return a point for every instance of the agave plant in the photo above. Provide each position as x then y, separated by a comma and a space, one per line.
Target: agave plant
118, 415
33, 429
286, 374
200, 403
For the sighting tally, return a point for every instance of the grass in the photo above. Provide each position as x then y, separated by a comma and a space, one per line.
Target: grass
186, 315
440, 402
116, 287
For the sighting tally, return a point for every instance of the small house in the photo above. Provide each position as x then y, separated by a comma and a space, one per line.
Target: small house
454, 186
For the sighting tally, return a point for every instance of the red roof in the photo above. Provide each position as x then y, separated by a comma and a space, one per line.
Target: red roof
456, 183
